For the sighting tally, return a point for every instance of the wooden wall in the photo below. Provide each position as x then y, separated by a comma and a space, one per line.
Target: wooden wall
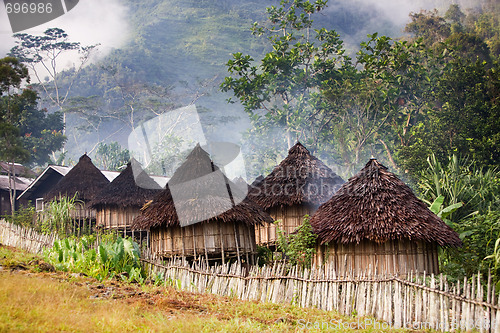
291, 218
213, 239
82, 211
393, 257
114, 217
5, 208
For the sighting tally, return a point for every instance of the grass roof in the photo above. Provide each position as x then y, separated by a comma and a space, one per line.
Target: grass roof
376, 205
84, 178
127, 189
199, 187
300, 178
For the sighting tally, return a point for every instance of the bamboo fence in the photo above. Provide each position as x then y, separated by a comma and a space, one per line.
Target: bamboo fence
25, 238
414, 301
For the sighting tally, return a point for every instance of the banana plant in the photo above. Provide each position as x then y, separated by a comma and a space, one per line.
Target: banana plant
443, 213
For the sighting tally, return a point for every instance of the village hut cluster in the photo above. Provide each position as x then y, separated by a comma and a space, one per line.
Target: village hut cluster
217, 223
371, 223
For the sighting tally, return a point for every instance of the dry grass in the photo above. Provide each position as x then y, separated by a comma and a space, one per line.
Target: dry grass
58, 302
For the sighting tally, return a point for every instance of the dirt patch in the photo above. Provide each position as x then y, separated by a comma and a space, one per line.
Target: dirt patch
10, 248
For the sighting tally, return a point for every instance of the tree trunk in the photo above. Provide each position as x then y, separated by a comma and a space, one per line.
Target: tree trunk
389, 155
12, 189
288, 138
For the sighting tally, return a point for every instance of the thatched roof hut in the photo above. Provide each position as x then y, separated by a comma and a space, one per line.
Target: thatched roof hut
296, 187
85, 179
375, 219
196, 213
120, 201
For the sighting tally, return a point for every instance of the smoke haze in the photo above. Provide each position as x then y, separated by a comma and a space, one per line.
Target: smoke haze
90, 22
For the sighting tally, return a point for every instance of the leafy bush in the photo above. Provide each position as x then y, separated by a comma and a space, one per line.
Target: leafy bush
463, 181
478, 233
109, 259
466, 197
299, 246
25, 216
264, 255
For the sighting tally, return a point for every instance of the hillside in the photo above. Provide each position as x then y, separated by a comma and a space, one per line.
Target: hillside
176, 54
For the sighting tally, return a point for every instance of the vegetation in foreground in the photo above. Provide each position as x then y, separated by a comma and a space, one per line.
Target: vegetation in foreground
31, 300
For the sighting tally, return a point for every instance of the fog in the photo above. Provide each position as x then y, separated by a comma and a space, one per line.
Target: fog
90, 22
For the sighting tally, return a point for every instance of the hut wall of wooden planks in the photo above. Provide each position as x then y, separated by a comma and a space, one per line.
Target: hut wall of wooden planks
214, 240
289, 217
391, 257
83, 211
115, 217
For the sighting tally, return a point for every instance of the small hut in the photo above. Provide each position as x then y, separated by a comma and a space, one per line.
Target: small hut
121, 200
375, 223
201, 213
296, 187
86, 181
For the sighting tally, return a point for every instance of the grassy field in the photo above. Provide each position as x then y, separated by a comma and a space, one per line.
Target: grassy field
36, 301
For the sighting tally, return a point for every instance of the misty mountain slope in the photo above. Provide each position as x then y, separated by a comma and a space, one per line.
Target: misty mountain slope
184, 45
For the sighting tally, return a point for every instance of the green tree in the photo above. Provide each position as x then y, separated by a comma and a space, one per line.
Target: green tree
111, 156
283, 89
25, 131
40, 131
464, 114
12, 75
401, 74
429, 26
41, 54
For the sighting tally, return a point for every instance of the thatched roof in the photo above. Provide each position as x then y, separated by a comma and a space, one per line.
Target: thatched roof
300, 178
376, 205
127, 190
198, 186
241, 184
84, 178
257, 180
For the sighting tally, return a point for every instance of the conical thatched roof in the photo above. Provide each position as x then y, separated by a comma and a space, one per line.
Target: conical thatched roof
257, 180
204, 185
83, 178
300, 178
241, 184
127, 190
376, 205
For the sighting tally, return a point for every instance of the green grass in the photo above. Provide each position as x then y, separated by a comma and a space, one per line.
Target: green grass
55, 302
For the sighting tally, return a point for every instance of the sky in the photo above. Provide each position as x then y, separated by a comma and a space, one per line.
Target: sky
89, 22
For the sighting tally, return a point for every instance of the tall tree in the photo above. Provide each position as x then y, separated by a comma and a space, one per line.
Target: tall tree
26, 132
12, 75
111, 156
281, 92
42, 54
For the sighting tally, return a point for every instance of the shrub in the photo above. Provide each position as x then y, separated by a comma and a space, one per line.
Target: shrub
299, 246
